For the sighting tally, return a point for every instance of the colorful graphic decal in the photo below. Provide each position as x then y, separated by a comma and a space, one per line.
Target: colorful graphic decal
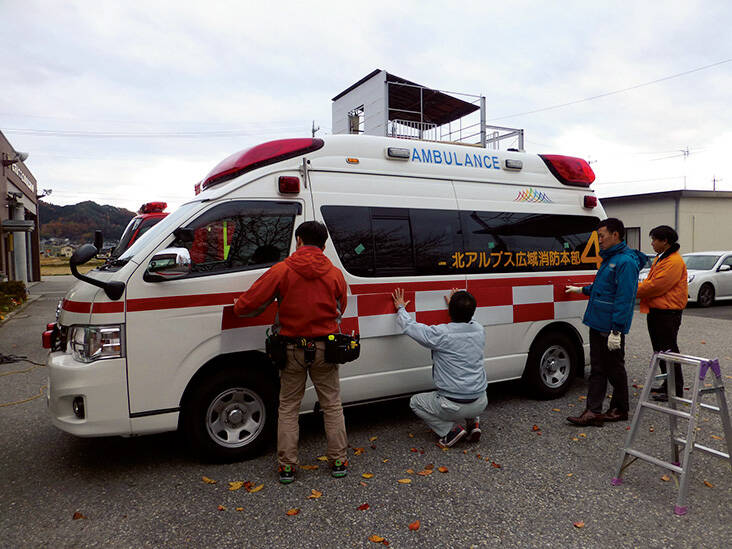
532, 195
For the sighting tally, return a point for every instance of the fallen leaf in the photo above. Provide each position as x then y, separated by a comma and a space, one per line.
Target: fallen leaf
240, 508
583, 435
582, 398
496, 465
404, 481
443, 469
410, 471
362, 483
309, 467
363, 507
535, 428
77, 516
411, 435
221, 508
373, 439
538, 434
715, 437
627, 428
556, 410
292, 512
651, 429
579, 524
256, 489
367, 475
322, 458
465, 451
425, 473
478, 456
575, 439
708, 484
570, 405
703, 342
373, 446
208, 480
235, 485
414, 525
665, 478
358, 451
384, 460
375, 538
413, 450
314, 494
429, 466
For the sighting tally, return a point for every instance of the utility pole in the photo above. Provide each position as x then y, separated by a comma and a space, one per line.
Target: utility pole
314, 129
686, 155
714, 182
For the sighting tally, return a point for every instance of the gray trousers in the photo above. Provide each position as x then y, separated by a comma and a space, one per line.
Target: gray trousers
441, 414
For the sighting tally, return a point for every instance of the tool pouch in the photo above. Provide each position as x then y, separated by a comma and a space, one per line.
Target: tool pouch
342, 348
276, 348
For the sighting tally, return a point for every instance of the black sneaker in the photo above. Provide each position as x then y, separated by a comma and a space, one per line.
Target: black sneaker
473, 428
661, 389
287, 474
451, 438
339, 468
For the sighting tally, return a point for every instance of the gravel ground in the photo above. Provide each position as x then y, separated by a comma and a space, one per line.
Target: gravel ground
517, 487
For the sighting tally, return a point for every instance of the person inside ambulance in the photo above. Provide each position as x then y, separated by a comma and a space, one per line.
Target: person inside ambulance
311, 295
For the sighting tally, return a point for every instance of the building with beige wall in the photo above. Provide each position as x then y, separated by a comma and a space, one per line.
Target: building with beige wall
703, 219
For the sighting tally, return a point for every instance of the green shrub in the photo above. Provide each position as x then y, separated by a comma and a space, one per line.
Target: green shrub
14, 289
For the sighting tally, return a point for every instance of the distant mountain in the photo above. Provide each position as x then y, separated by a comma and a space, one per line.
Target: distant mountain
78, 222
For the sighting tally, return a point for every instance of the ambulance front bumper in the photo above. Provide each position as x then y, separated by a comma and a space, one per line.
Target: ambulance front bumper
88, 399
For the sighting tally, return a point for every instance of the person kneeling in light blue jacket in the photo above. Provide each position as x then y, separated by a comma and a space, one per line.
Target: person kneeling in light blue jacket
457, 371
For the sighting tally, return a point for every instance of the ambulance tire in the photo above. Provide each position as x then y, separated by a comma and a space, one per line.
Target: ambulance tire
231, 415
551, 365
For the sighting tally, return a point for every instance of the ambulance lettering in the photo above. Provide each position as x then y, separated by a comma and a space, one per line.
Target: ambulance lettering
472, 160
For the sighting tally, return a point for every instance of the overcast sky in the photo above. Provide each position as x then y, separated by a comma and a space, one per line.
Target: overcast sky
128, 102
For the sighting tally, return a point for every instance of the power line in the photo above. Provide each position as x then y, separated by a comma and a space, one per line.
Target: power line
614, 92
146, 135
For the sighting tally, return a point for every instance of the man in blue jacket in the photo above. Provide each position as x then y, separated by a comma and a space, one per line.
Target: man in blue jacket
609, 314
458, 370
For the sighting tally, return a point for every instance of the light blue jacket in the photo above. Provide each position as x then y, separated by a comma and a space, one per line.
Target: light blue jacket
457, 354
612, 294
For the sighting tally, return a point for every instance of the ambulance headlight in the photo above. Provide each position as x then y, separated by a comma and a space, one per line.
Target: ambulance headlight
90, 343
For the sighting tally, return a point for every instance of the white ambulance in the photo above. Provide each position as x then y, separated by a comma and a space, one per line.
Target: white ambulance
149, 342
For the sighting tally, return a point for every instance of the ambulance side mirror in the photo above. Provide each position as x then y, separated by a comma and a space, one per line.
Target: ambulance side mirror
168, 264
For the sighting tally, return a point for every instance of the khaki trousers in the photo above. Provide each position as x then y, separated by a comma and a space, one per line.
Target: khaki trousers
324, 376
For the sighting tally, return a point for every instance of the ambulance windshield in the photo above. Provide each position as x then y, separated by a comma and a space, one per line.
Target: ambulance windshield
166, 226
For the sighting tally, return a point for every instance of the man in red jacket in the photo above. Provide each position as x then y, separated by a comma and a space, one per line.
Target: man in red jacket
312, 296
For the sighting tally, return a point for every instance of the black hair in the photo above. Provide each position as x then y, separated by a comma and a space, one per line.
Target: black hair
613, 225
462, 306
312, 233
664, 232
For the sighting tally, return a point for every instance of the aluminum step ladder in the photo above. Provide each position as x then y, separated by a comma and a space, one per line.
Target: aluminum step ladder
680, 463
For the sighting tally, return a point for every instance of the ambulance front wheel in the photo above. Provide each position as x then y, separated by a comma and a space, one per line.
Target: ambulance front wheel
551, 365
230, 415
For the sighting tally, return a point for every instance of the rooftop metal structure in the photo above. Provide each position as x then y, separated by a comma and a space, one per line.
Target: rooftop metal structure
384, 104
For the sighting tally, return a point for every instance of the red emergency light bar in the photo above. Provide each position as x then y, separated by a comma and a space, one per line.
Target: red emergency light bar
569, 170
258, 156
152, 207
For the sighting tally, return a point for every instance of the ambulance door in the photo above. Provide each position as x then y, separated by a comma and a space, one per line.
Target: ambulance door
176, 326
389, 232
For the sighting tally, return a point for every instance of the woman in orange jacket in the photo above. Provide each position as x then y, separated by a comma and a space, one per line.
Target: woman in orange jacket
663, 296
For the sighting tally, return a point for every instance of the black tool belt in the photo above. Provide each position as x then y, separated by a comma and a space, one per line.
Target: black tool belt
339, 348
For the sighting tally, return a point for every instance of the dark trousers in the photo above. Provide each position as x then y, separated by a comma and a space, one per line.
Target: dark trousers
606, 365
663, 327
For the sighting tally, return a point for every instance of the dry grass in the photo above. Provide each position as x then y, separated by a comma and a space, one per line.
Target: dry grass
51, 266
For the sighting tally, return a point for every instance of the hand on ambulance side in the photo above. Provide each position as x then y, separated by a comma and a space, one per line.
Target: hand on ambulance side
573, 290
398, 297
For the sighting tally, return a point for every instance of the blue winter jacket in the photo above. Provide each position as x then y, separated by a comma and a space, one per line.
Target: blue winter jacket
612, 294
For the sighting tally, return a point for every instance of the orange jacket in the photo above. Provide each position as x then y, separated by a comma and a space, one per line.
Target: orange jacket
311, 293
666, 286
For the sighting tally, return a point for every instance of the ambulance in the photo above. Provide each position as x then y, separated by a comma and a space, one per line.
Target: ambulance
148, 215
149, 342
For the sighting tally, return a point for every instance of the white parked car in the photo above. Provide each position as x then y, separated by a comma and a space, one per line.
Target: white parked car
710, 276
643, 274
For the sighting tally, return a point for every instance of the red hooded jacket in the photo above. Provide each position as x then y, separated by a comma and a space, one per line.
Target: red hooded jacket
311, 293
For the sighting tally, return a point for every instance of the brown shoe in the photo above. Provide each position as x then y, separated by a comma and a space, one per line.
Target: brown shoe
588, 418
613, 414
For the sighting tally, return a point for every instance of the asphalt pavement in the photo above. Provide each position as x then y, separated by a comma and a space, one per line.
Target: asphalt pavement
525, 484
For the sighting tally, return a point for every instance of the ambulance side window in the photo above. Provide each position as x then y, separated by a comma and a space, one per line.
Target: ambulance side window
373, 241
241, 235
502, 242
